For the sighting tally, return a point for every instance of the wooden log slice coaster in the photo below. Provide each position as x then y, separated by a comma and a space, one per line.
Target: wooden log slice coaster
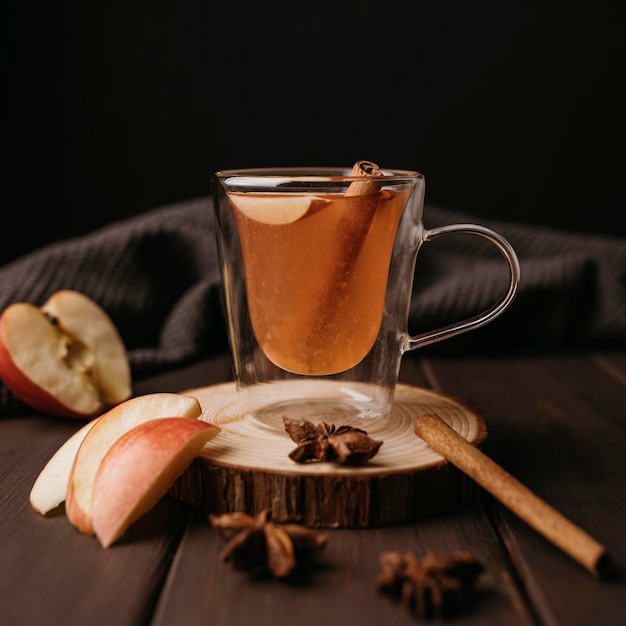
247, 466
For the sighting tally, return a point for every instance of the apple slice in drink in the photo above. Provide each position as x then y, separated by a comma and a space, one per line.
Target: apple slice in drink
110, 427
139, 468
275, 208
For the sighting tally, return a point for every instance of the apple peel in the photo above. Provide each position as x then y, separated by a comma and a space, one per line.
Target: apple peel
139, 469
110, 427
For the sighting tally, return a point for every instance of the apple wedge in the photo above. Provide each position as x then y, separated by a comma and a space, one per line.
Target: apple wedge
50, 487
139, 468
110, 427
275, 209
65, 358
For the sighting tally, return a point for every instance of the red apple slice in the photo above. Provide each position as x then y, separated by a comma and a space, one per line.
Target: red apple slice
50, 487
276, 209
139, 468
101, 437
65, 358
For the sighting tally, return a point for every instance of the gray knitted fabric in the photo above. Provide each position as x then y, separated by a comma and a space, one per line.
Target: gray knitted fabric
157, 276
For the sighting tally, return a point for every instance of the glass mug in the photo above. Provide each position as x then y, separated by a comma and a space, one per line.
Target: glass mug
317, 269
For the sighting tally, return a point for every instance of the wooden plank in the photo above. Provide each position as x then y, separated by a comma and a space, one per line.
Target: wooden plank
556, 423
341, 587
216, 369
613, 364
52, 574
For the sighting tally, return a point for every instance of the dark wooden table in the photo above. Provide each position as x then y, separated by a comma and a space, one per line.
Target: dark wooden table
557, 422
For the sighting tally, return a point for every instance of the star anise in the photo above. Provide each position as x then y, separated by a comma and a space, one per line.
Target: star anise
256, 544
345, 445
435, 586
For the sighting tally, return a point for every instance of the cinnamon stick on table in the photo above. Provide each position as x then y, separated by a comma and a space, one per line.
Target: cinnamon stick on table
522, 501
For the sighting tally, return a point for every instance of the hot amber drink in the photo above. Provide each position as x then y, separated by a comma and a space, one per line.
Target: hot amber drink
316, 270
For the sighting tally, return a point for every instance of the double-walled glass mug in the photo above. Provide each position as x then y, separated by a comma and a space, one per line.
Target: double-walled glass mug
317, 269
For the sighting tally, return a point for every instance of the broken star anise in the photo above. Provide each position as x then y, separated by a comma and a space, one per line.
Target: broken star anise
345, 445
256, 544
433, 587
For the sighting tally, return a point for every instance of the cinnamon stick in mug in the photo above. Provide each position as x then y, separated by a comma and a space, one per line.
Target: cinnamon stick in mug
563, 533
352, 233
348, 240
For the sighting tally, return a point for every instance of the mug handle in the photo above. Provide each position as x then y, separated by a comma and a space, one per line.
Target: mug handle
427, 338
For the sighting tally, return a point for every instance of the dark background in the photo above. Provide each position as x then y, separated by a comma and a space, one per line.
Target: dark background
513, 110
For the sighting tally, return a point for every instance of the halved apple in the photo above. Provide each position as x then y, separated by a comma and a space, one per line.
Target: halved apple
139, 468
275, 208
64, 358
109, 427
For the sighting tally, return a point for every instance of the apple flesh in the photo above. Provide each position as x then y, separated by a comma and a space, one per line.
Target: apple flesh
275, 209
64, 358
108, 428
50, 487
84, 319
139, 468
